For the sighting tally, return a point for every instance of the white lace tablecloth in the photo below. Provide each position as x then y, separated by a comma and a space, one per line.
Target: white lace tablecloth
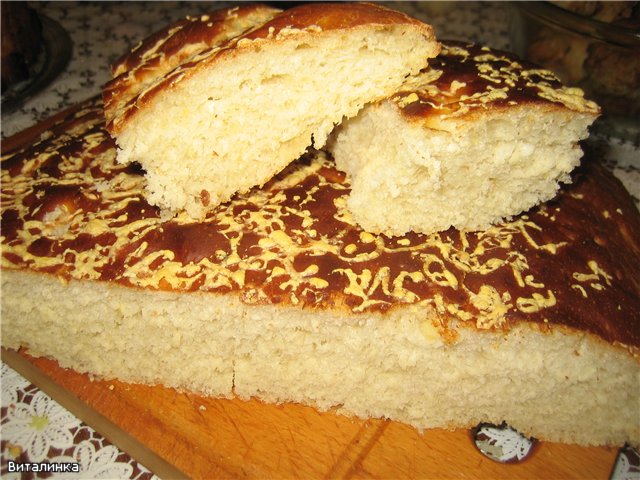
34, 427
37, 430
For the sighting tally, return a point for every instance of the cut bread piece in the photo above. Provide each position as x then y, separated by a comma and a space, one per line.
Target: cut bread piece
476, 139
218, 104
279, 295
560, 385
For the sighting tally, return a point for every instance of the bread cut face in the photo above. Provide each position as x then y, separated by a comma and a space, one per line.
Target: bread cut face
249, 90
477, 138
557, 385
278, 294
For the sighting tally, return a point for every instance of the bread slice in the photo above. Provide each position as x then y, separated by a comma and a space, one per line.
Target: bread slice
478, 138
217, 104
280, 295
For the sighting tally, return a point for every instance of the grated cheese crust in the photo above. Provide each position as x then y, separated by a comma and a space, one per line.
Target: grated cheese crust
70, 210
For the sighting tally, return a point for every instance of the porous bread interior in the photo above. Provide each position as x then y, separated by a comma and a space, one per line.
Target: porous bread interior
469, 173
557, 386
233, 126
114, 332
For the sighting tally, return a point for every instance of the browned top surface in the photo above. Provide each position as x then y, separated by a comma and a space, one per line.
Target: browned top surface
171, 55
466, 78
69, 209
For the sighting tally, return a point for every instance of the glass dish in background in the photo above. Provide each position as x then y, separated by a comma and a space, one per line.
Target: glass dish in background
601, 57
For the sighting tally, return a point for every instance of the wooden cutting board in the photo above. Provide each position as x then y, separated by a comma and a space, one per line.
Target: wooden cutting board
179, 434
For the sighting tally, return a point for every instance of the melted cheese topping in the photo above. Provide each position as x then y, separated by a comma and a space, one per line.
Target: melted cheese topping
465, 78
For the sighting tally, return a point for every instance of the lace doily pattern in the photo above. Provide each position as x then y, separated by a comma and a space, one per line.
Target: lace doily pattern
37, 430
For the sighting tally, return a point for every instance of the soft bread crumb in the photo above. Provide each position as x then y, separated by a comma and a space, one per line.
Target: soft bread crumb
559, 386
405, 177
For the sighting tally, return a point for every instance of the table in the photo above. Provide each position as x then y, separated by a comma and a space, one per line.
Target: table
34, 426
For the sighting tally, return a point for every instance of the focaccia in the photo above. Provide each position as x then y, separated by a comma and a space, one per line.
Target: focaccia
280, 295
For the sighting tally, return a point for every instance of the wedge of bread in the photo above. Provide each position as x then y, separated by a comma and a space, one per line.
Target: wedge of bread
217, 104
279, 294
475, 139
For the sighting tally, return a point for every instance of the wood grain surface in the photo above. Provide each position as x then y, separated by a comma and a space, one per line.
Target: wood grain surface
198, 437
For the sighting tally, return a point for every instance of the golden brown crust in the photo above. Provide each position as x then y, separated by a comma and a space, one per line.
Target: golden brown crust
69, 209
176, 42
468, 79
174, 54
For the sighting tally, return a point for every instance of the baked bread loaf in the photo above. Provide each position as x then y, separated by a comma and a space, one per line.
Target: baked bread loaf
278, 294
477, 138
217, 104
